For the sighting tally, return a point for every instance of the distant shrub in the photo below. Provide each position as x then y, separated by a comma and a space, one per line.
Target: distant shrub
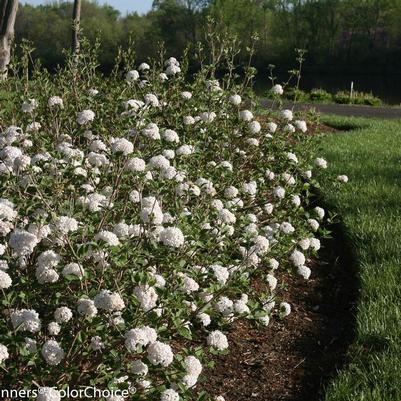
342, 97
366, 98
293, 94
363, 98
320, 95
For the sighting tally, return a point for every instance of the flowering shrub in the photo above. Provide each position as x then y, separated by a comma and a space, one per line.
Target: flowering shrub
136, 215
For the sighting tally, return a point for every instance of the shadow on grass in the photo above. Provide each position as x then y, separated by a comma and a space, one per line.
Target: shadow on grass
344, 123
335, 297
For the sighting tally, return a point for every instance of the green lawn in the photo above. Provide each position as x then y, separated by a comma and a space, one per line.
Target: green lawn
370, 208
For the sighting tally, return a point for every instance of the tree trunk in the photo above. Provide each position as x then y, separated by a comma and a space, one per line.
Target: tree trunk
8, 10
76, 19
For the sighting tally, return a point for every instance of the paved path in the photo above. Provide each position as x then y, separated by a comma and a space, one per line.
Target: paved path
343, 109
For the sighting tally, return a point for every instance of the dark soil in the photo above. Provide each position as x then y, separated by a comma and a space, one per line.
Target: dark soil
293, 359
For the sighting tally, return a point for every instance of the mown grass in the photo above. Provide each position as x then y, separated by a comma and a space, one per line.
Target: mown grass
369, 152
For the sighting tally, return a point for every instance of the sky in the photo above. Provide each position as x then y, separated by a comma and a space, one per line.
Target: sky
124, 6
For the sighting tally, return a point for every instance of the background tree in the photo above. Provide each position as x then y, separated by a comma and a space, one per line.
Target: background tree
76, 20
339, 35
7, 19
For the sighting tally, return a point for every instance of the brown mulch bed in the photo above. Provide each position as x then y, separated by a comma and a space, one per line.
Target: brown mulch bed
293, 359
316, 129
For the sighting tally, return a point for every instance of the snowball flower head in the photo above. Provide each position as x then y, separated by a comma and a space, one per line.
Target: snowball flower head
3, 353
261, 244
246, 115
204, 318
319, 211
132, 76
55, 101
230, 192
279, 192
208, 116
285, 309
122, 145
139, 336
296, 200
297, 258
314, 224
185, 150
85, 117
96, 343
304, 271
249, 188
5, 280
218, 340
144, 67
26, 320
271, 281
226, 216
186, 95
287, 228
188, 120
221, 273
235, 100
314, 243
254, 127
147, 296
172, 69
159, 162
169, 395
171, 136
73, 269
109, 301
48, 394
193, 365
277, 89
151, 100
28, 106
163, 77
321, 163
135, 164
35, 126
173, 237
225, 306
53, 328
22, 242
287, 115
108, 237
65, 224
52, 352
30, 345
62, 314
274, 264
151, 131
304, 243
87, 308
272, 127
342, 178
160, 354
301, 125
139, 368
7, 211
